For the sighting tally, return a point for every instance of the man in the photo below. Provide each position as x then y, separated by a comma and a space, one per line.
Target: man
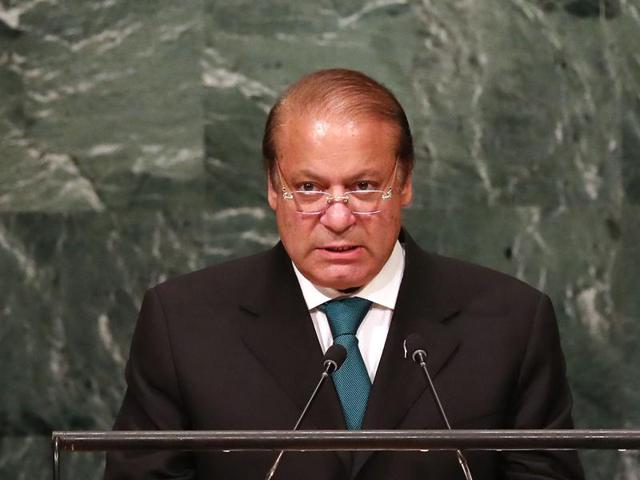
239, 345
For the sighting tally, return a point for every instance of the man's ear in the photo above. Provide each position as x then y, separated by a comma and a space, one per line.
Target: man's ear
272, 192
406, 191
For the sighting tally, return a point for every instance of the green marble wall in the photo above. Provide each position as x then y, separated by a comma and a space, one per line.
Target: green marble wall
129, 152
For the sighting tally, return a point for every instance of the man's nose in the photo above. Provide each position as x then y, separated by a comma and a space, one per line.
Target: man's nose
338, 217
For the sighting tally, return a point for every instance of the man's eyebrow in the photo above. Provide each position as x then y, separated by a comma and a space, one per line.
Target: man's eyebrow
303, 172
366, 173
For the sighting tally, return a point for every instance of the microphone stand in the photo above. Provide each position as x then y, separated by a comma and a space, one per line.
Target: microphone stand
330, 366
413, 345
421, 361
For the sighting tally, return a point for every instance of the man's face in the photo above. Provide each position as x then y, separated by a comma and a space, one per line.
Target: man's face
339, 249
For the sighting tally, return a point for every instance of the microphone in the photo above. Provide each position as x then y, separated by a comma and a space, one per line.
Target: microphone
413, 346
332, 360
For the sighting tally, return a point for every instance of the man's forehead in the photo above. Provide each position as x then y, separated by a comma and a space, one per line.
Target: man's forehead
319, 125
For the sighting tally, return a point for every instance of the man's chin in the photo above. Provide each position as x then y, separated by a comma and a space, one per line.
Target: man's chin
343, 283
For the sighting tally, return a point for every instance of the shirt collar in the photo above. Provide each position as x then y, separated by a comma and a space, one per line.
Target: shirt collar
381, 290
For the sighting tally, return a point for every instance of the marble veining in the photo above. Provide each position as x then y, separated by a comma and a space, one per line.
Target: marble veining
130, 152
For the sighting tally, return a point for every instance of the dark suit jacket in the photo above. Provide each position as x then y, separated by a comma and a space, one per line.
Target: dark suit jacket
232, 347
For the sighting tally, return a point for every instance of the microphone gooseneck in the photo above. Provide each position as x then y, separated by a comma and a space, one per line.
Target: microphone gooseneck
332, 360
414, 347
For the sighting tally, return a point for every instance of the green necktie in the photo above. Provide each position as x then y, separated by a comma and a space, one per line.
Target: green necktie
351, 379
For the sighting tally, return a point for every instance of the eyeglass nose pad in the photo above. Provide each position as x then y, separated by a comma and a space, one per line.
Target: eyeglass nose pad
337, 216
338, 198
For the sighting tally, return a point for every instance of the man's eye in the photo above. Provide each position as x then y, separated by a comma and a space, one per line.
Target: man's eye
364, 185
307, 187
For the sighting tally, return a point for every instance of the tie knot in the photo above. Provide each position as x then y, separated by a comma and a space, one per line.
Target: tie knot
345, 314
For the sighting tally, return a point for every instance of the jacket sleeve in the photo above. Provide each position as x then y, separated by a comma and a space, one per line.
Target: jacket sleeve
542, 399
152, 401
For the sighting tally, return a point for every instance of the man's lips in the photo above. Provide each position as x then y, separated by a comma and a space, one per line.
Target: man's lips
339, 249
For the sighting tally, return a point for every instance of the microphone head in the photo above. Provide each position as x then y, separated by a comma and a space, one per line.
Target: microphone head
414, 346
334, 357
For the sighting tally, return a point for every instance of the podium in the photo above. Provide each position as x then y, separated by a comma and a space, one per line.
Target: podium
335, 440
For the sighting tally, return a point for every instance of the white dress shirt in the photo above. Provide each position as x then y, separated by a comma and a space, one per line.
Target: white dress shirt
382, 291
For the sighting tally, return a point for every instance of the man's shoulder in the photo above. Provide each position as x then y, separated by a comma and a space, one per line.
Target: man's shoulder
464, 283
468, 273
232, 277
476, 294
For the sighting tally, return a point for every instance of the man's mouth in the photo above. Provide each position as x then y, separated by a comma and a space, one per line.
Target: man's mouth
341, 249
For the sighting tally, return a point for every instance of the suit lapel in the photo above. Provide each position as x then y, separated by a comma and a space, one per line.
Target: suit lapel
422, 306
279, 333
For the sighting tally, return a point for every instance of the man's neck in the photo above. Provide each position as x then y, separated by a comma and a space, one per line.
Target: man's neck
382, 290
349, 291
